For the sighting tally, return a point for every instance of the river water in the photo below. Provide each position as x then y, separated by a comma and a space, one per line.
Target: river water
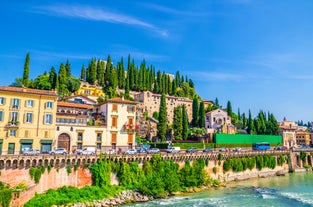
294, 190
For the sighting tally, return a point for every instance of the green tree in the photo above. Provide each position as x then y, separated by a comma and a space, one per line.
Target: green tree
68, 69
72, 84
216, 102
53, 78
178, 123
92, 72
100, 72
42, 82
229, 109
83, 73
250, 126
62, 80
201, 115
185, 123
162, 125
26, 70
195, 112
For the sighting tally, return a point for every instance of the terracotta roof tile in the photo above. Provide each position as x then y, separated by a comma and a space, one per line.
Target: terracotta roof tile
28, 90
74, 105
120, 100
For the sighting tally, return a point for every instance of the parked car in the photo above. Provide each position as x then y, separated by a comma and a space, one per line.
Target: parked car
109, 152
130, 152
31, 152
173, 150
87, 151
141, 150
279, 148
208, 150
237, 149
192, 150
153, 150
305, 147
58, 151
223, 149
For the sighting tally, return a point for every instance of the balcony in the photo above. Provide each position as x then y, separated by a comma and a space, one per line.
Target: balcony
130, 127
13, 124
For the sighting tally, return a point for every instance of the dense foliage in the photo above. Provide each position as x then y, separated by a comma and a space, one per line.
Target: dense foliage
5, 195
242, 164
162, 125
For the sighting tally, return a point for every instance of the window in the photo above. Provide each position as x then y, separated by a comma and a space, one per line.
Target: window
1, 115
29, 117
15, 103
30, 103
114, 107
48, 118
49, 105
99, 137
99, 146
80, 136
114, 121
2, 100
131, 109
14, 116
13, 133
113, 137
79, 145
130, 138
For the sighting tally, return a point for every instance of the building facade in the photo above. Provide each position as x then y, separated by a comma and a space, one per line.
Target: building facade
27, 119
105, 126
288, 131
90, 91
150, 103
218, 121
303, 138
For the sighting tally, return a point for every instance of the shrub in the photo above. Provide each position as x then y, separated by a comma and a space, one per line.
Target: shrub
214, 170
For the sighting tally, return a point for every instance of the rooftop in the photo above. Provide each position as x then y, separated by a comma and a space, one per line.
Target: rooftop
28, 90
74, 105
120, 100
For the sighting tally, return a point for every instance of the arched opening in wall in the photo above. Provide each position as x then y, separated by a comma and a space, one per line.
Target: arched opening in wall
1, 164
64, 141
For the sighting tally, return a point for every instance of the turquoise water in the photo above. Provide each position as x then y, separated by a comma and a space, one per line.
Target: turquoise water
294, 190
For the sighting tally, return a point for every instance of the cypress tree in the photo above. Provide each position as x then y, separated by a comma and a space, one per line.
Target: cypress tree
26, 70
216, 102
121, 74
178, 123
244, 121
185, 123
83, 73
229, 109
238, 114
162, 125
126, 95
250, 124
53, 78
92, 70
68, 69
177, 79
195, 112
100, 72
201, 115
62, 80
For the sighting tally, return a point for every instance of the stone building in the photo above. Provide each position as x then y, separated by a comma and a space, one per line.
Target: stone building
27, 119
218, 121
150, 103
288, 131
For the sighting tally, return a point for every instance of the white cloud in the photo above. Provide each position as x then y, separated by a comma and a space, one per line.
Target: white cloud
95, 14
173, 11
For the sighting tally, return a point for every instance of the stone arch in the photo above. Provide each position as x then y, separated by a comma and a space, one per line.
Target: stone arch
21, 164
15, 164
34, 163
64, 141
8, 164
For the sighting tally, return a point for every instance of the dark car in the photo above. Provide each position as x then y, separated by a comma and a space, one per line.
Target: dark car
223, 149
192, 150
141, 150
279, 148
208, 150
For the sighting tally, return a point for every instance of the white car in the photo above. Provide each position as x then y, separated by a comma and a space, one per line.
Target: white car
87, 151
58, 151
130, 152
109, 152
31, 152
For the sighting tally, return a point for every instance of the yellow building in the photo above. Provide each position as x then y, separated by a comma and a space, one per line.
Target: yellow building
26, 119
91, 91
303, 138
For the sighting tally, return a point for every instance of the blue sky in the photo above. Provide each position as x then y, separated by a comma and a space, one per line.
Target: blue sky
255, 53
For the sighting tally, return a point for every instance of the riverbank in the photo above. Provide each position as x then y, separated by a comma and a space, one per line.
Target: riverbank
134, 196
